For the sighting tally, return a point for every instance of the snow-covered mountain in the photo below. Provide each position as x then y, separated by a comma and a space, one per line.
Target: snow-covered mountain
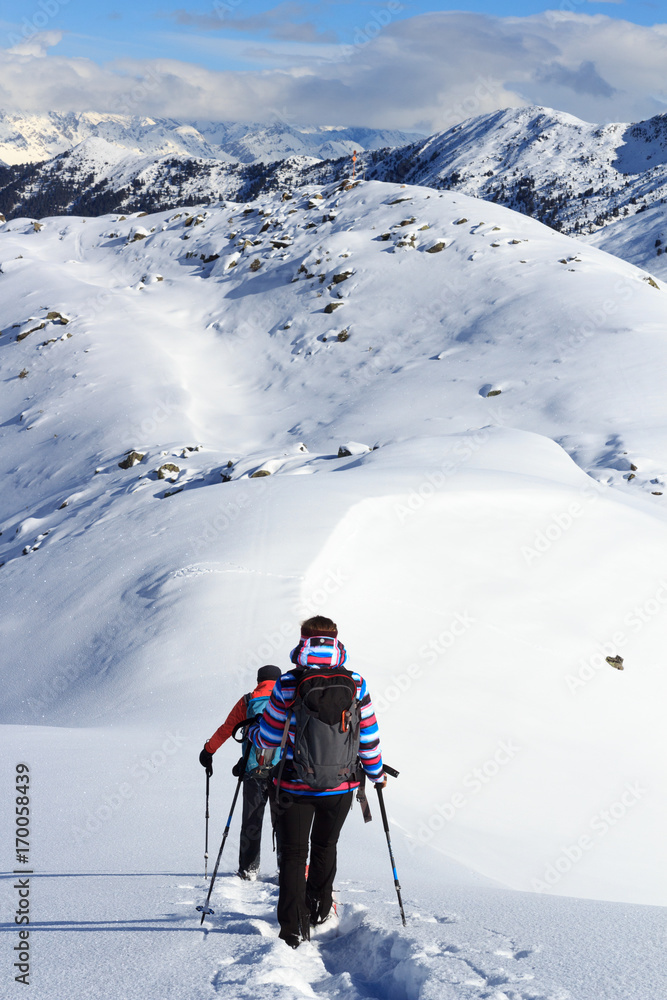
426, 415
29, 138
576, 175
582, 179
98, 176
264, 143
572, 175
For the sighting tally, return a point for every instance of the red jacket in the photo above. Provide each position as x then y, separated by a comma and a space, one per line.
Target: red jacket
237, 714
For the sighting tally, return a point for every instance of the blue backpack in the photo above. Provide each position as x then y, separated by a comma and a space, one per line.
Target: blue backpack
261, 761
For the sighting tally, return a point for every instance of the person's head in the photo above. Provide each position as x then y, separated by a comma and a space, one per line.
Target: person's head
269, 672
318, 625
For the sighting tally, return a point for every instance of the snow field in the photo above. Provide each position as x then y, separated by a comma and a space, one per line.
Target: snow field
482, 555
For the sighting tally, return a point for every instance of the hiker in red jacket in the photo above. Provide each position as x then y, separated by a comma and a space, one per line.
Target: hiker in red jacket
256, 779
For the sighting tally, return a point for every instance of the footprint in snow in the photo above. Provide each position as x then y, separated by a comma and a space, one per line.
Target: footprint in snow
521, 953
369, 956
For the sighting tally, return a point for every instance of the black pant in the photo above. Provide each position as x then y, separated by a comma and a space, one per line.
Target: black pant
296, 814
255, 794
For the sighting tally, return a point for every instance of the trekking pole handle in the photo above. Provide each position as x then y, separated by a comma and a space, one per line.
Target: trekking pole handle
392, 772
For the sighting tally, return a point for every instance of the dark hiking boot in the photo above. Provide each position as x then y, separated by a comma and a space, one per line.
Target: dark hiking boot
316, 914
249, 875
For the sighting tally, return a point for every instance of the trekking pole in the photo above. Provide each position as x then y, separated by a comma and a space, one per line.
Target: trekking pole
206, 842
205, 909
391, 853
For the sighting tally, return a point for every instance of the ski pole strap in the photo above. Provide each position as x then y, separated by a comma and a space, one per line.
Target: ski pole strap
361, 796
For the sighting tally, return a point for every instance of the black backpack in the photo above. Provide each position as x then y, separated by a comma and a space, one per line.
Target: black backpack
328, 716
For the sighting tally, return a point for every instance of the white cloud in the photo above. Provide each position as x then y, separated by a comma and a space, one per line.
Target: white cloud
428, 71
36, 44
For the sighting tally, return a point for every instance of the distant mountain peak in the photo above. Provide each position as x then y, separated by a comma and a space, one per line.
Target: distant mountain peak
30, 138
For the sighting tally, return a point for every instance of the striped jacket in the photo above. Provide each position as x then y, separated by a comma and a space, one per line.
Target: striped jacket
268, 732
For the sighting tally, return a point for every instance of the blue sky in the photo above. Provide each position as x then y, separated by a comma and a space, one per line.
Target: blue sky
255, 34
408, 64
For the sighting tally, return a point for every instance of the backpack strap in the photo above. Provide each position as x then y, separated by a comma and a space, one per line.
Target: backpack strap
283, 741
276, 788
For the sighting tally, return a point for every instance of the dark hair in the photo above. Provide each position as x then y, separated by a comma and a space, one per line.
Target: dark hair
319, 625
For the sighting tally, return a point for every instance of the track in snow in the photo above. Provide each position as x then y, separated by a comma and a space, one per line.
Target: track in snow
368, 957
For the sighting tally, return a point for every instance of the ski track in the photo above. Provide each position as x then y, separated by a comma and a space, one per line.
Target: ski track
367, 956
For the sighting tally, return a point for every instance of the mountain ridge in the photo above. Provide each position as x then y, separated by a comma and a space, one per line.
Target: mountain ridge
576, 177
35, 138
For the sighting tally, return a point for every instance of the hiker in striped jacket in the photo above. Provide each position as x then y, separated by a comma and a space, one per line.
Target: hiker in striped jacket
301, 807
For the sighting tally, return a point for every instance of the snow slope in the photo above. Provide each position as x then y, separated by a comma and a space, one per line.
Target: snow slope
481, 553
641, 239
